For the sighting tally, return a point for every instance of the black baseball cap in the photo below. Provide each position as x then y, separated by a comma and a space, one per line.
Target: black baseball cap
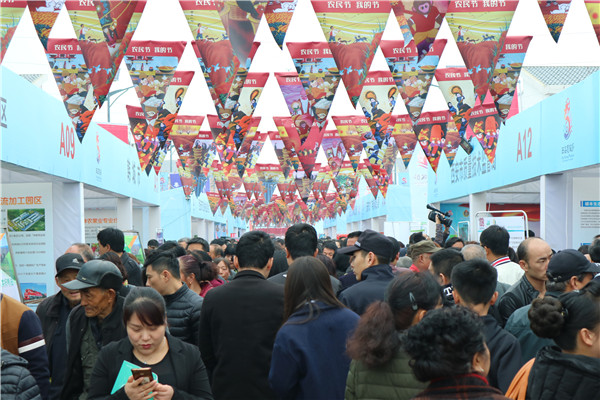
567, 263
69, 261
370, 241
97, 273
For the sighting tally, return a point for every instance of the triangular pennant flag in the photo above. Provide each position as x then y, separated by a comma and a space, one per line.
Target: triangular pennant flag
485, 123
480, 29
413, 78
319, 76
351, 138
241, 19
345, 182
303, 182
593, 8
104, 38
458, 91
71, 75
144, 135
185, 132
211, 88
249, 151
187, 180
151, 66
285, 151
364, 171
297, 102
431, 133
251, 183
506, 73
398, 10
213, 201
269, 176
424, 19
167, 114
451, 142
9, 20
377, 100
404, 135
334, 149
353, 33
44, 14
306, 153
278, 14
555, 13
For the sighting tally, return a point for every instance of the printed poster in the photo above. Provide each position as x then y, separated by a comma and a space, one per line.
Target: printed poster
185, 132
479, 29
485, 123
423, 18
278, 14
353, 31
73, 79
297, 102
506, 73
334, 149
413, 77
27, 211
351, 138
10, 281
378, 99
431, 134
586, 210
319, 76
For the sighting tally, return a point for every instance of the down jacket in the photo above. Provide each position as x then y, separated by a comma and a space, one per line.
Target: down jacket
183, 314
17, 382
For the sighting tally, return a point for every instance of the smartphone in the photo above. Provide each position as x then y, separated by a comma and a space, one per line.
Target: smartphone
146, 373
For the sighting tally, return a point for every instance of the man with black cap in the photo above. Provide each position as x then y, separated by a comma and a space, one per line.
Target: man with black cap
53, 313
568, 270
93, 324
371, 264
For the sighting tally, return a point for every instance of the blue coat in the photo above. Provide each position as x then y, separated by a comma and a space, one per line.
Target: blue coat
309, 359
374, 281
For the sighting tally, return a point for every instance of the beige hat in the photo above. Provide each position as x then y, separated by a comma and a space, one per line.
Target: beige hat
424, 246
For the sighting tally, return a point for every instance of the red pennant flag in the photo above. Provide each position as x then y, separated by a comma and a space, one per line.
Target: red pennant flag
43, 15
404, 136
413, 77
479, 29
364, 171
593, 8
278, 14
285, 151
353, 31
334, 150
248, 154
187, 180
423, 18
506, 73
431, 133
71, 75
297, 101
485, 123
9, 20
377, 100
213, 201
351, 138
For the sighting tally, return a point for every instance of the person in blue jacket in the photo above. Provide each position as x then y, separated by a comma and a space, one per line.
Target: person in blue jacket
309, 358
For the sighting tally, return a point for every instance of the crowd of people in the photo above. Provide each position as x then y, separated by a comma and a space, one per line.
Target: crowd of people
361, 317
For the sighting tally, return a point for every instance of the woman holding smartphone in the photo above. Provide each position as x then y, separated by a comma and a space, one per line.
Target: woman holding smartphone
178, 365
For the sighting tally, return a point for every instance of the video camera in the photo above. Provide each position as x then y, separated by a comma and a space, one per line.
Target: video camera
443, 217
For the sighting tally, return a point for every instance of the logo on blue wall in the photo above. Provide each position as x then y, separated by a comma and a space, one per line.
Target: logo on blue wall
568, 127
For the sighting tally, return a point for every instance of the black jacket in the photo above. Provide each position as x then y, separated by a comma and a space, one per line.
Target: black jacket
505, 354
183, 314
557, 375
17, 382
134, 272
371, 287
189, 370
49, 312
238, 325
519, 295
112, 330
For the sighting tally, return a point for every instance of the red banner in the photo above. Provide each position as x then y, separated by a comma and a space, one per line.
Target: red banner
278, 14
431, 134
297, 101
555, 13
353, 30
334, 150
378, 99
9, 19
44, 14
485, 123
71, 75
351, 138
593, 8
405, 137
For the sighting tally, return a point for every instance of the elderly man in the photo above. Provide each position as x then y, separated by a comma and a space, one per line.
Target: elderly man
420, 253
97, 321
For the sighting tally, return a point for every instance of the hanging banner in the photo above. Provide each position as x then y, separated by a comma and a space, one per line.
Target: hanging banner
71, 75
364, 171
218, 176
246, 104
211, 88
555, 13
405, 137
353, 31
351, 138
593, 8
269, 176
151, 66
485, 123
143, 134
304, 182
248, 154
378, 99
459, 92
44, 14
213, 201
251, 183
185, 132
431, 134
278, 14
285, 151
223, 141
413, 78
297, 102
479, 29
345, 182
9, 20
334, 149
423, 18
319, 76
240, 20
506, 73
104, 33
305, 153
452, 141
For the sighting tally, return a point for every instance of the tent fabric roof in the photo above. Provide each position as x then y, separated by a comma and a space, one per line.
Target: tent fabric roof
563, 76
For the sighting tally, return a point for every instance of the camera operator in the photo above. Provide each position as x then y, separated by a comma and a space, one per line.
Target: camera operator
442, 224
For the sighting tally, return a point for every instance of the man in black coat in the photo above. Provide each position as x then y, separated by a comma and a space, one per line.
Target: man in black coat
474, 283
112, 239
239, 321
